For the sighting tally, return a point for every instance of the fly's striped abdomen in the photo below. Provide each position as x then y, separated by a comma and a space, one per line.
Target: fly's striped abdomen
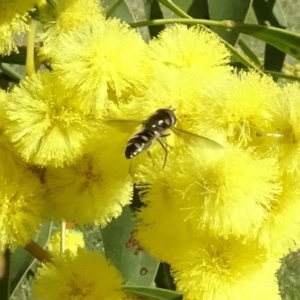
154, 128
140, 142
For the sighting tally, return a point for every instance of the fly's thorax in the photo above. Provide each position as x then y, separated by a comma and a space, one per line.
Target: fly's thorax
161, 120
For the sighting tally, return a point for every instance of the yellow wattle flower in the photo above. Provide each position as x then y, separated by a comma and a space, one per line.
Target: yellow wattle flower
13, 15
45, 123
164, 236
8, 153
94, 190
73, 241
3, 100
104, 60
21, 202
183, 47
65, 16
280, 231
215, 267
285, 133
211, 190
88, 275
227, 198
244, 108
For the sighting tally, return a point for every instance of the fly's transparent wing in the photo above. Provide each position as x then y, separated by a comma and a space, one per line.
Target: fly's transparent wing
127, 126
117, 132
193, 139
124, 121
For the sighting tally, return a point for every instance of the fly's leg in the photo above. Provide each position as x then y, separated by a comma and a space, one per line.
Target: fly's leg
164, 146
149, 154
130, 169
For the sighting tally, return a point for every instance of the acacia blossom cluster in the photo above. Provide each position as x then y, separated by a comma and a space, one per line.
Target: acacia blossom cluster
221, 213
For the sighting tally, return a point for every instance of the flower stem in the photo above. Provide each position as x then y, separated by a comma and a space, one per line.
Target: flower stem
63, 237
38, 252
225, 24
175, 9
282, 75
30, 66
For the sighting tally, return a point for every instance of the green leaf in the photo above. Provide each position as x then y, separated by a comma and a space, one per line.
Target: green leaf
176, 9
4, 81
286, 41
118, 9
15, 58
5, 281
199, 9
121, 247
274, 58
10, 70
164, 277
22, 261
153, 11
248, 51
271, 14
228, 10
288, 276
184, 5
278, 14
194, 8
153, 293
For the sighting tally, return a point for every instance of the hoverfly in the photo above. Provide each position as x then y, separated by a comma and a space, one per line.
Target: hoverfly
154, 129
